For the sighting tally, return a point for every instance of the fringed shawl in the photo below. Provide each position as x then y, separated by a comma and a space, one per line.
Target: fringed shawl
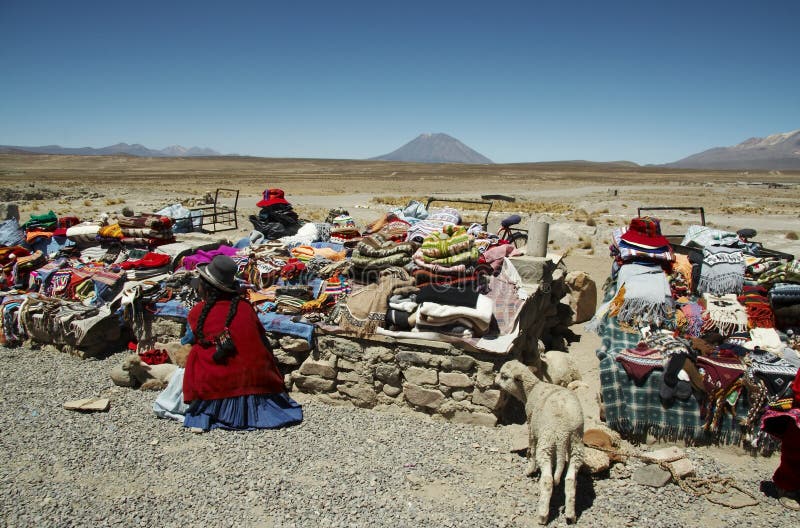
722, 271
724, 314
647, 297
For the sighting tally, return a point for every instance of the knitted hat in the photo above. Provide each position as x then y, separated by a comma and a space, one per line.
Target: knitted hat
272, 197
645, 232
220, 273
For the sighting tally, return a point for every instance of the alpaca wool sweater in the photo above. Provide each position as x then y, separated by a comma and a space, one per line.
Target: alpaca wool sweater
250, 370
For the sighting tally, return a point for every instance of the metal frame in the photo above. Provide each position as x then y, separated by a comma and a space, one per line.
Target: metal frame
488, 203
218, 213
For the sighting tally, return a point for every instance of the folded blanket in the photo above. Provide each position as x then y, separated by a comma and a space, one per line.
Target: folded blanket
150, 221
453, 240
647, 296
756, 304
784, 294
436, 314
628, 252
722, 271
702, 236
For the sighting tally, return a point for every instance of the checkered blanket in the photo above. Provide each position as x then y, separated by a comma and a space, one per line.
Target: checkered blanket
636, 410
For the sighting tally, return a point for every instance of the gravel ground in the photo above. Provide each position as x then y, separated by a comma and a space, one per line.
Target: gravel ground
341, 467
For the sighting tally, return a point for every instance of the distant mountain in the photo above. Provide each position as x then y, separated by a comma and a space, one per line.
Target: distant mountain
435, 148
775, 152
120, 148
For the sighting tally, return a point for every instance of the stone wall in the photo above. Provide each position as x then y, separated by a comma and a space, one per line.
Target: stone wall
440, 379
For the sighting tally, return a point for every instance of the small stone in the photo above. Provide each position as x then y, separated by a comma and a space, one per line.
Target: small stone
682, 467
416, 395
455, 379
652, 475
667, 454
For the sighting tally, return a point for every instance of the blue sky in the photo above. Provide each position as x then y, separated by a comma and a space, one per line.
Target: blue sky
646, 81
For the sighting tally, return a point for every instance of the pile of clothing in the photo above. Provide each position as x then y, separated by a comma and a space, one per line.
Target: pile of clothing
707, 329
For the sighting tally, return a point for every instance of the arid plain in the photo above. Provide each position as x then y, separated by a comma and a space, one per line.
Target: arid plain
582, 202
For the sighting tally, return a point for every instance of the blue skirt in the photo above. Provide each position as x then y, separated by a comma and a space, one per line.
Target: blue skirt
244, 413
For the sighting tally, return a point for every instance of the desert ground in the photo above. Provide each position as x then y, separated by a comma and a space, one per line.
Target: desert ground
581, 201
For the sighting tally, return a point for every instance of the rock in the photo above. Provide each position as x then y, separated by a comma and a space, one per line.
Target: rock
362, 395
463, 363
490, 398
351, 376
652, 475
408, 357
391, 390
683, 467
388, 374
459, 395
474, 418
518, 438
583, 295
338, 346
420, 376
428, 398
294, 344
323, 369
379, 353
312, 383
596, 461
667, 454
455, 379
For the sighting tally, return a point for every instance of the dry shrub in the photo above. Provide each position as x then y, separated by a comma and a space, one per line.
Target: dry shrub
395, 201
585, 243
87, 203
791, 235
601, 211
590, 222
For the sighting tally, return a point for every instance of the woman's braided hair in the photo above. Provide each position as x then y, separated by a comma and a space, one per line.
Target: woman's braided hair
223, 342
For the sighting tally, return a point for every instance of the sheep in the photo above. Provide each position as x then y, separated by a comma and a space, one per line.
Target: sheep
555, 431
559, 368
151, 377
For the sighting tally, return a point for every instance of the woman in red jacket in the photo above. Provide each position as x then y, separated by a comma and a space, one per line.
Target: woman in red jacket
231, 379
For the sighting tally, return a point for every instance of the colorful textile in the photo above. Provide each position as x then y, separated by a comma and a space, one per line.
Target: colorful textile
724, 314
647, 297
722, 271
757, 306
702, 236
787, 272
626, 252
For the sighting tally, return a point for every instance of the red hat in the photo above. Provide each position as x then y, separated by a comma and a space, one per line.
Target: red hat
272, 197
645, 232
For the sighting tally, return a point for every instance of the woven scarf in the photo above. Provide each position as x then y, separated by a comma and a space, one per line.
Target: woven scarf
756, 304
722, 271
724, 314
647, 298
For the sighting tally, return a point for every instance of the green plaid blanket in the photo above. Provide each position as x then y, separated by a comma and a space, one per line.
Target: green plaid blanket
636, 410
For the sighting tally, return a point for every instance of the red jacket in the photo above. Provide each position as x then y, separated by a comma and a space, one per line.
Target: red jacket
250, 370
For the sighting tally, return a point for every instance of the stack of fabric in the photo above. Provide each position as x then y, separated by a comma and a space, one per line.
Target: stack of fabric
363, 311
150, 265
146, 230
375, 253
462, 313
344, 231
447, 257
433, 223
